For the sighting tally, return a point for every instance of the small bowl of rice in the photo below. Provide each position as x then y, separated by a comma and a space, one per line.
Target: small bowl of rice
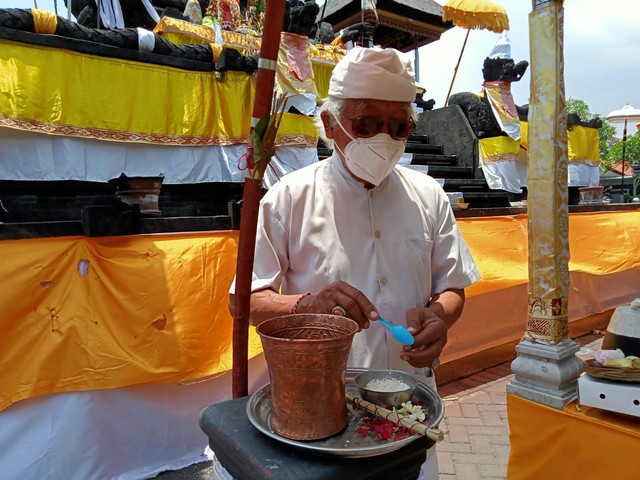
387, 388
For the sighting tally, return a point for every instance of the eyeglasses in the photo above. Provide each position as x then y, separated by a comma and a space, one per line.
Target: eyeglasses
367, 127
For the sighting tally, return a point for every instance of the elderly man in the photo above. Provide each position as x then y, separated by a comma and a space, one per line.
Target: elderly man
358, 236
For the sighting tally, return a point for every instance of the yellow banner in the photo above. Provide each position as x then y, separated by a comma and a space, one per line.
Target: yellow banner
498, 149
584, 145
67, 93
61, 92
297, 130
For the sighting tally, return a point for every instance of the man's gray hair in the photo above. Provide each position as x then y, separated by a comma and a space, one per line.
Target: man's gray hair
334, 106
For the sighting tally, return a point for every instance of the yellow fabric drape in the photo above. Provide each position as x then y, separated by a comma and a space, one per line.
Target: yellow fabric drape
498, 149
44, 22
294, 60
588, 443
297, 130
67, 93
523, 153
182, 32
322, 75
584, 145
89, 313
323, 57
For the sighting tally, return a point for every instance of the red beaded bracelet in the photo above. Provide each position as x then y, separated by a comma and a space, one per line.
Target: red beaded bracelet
294, 309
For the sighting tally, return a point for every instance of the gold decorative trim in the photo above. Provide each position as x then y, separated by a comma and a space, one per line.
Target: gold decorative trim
305, 140
548, 319
584, 161
118, 136
500, 157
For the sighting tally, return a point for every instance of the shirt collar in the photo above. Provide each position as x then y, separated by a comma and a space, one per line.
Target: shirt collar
336, 162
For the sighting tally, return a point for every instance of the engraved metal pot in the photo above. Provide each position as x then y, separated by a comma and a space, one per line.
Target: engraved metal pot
307, 360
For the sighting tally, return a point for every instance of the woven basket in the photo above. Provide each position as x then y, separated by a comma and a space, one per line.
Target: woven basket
610, 373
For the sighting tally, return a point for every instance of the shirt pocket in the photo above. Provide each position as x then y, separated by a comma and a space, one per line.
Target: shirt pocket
418, 257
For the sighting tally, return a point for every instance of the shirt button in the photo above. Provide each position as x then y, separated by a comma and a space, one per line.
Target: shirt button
377, 234
383, 280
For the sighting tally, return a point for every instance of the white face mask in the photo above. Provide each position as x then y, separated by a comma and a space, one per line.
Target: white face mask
372, 159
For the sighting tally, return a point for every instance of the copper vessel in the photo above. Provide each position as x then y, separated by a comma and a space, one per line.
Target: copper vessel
307, 360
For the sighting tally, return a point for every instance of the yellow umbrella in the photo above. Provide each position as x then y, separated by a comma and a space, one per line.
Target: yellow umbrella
474, 14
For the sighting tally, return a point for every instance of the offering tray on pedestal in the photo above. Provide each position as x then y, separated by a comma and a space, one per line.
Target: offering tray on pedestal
347, 443
591, 367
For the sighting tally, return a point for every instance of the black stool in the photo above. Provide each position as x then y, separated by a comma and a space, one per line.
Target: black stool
248, 454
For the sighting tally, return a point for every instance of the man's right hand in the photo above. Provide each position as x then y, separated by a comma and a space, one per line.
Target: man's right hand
340, 294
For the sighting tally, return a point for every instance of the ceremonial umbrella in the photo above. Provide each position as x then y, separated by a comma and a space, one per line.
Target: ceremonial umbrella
624, 114
474, 14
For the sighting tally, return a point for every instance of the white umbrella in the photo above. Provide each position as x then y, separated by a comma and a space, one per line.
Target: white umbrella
624, 114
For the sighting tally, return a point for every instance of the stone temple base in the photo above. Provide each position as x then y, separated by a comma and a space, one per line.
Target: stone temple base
546, 373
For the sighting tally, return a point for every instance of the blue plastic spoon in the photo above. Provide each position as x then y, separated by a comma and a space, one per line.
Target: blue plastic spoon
398, 332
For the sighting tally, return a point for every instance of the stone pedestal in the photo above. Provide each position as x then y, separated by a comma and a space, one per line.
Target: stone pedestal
546, 373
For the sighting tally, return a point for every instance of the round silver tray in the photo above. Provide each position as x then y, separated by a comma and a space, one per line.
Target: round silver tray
347, 443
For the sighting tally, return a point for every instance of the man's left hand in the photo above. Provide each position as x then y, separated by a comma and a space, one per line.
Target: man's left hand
430, 334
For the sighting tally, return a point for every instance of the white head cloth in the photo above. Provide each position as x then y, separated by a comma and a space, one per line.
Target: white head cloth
502, 48
374, 73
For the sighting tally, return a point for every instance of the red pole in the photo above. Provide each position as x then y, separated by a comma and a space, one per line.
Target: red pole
263, 99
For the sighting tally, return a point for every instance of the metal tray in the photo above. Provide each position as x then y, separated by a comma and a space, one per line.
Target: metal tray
347, 443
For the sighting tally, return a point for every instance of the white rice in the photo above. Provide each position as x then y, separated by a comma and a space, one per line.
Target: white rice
386, 385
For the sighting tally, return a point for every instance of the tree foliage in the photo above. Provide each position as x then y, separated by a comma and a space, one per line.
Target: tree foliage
631, 153
607, 131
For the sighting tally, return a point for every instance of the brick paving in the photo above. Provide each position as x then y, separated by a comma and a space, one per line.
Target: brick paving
476, 444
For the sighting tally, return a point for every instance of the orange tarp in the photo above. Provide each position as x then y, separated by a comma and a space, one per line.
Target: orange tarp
79, 313
83, 313
600, 243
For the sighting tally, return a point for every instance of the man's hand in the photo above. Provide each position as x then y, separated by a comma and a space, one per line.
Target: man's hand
430, 334
340, 294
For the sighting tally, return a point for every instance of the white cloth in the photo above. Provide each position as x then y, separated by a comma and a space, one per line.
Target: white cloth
398, 243
504, 175
150, 10
30, 156
583, 175
146, 40
127, 433
502, 48
111, 14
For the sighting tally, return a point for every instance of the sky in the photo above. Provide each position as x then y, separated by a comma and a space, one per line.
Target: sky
601, 52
